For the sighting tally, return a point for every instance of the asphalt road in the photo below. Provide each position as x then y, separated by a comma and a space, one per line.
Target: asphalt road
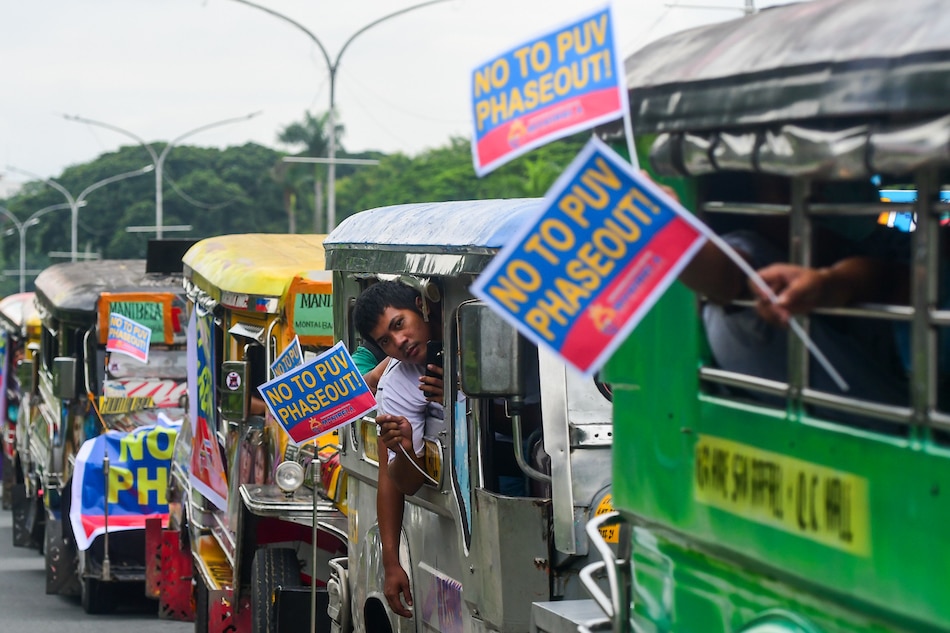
25, 607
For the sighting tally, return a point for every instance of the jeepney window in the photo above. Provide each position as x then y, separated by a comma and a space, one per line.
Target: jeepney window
763, 218
501, 472
49, 347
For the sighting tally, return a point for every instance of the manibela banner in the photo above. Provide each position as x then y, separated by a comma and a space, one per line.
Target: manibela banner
318, 397
128, 337
137, 481
604, 247
564, 81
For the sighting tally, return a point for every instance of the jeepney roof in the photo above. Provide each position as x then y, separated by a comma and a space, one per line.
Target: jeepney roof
429, 238
811, 88
17, 311
793, 62
71, 290
254, 264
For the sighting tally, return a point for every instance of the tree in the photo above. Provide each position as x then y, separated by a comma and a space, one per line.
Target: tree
299, 180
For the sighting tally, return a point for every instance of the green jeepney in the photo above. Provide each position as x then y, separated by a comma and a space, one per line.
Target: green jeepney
749, 503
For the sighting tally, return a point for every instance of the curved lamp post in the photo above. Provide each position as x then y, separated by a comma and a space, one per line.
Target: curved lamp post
332, 67
75, 203
21, 228
158, 159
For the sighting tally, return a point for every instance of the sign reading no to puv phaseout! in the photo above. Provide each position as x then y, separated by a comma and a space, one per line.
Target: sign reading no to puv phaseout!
561, 82
605, 245
312, 399
128, 337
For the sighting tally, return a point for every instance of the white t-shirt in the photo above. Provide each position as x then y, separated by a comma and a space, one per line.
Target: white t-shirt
398, 394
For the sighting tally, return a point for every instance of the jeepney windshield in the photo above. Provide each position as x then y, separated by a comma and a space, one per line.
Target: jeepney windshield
135, 393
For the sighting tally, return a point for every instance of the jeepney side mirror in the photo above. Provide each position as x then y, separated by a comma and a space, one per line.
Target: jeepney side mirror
492, 353
234, 395
24, 375
33, 354
64, 377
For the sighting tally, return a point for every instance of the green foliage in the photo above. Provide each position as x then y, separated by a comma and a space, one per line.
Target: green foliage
249, 189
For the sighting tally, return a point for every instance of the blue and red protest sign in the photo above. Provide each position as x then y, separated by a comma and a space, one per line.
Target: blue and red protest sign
605, 246
564, 81
137, 485
128, 337
315, 398
291, 357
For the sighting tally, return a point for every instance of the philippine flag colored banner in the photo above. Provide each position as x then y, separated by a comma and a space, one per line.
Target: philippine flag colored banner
606, 244
565, 80
136, 490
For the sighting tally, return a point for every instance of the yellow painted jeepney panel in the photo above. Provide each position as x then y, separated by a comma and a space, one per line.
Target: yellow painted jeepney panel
816, 502
369, 439
214, 561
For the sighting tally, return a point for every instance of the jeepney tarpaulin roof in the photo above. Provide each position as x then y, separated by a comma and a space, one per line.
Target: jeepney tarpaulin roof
432, 238
254, 264
803, 61
71, 290
828, 88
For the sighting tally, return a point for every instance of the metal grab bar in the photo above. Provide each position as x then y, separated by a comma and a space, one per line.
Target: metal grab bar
609, 605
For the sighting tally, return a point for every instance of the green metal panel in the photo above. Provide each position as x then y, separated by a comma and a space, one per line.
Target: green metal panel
897, 577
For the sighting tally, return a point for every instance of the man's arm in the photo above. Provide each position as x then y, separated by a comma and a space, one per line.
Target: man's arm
713, 274
850, 280
395, 434
389, 511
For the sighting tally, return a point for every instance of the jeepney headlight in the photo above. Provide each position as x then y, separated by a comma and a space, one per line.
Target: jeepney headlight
289, 476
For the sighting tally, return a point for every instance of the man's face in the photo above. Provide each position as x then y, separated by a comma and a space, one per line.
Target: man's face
402, 334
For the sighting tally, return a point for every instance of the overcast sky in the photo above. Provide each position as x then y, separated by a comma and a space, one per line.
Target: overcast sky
161, 68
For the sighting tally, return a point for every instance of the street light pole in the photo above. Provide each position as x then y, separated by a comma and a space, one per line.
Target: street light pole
332, 67
78, 201
21, 228
158, 159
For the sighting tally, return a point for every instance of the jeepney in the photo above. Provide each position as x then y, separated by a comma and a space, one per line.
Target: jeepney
520, 461
261, 522
19, 327
752, 504
80, 391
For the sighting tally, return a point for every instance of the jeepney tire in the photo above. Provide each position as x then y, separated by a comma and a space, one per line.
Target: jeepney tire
202, 617
20, 509
271, 568
96, 597
61, 555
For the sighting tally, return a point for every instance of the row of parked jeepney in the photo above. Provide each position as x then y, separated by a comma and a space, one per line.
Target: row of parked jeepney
153, 469
744, 506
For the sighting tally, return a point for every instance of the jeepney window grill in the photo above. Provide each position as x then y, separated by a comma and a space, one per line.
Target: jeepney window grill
927, 319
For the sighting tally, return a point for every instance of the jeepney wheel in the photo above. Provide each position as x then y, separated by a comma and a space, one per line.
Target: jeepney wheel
271, 568
95, 597
202, 617
28, 519
23, 536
